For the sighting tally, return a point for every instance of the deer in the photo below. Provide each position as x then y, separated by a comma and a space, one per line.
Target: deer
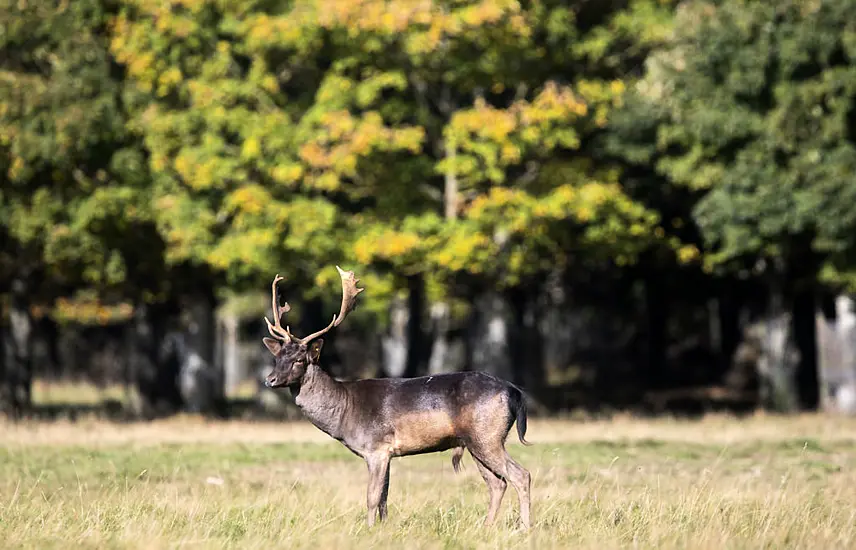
379, 419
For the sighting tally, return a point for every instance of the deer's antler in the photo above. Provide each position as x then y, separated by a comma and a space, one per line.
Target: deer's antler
276, 329
349, 301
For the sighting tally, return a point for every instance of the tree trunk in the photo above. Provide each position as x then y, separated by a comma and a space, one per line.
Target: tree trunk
415, 337
657, 313
527, 345
836, 339
402, 348
491, 347
802, 271
728, 310
777, 364
229, 356
49, 333
440, 320
5, 362
201, 378
443, 357
153, 373
446, 355
805, 338
17, 379
394, 342
556, 327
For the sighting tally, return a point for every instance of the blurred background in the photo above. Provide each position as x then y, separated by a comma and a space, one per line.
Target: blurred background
642, 205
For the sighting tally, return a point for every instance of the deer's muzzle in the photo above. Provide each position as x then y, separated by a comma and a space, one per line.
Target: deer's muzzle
274, 381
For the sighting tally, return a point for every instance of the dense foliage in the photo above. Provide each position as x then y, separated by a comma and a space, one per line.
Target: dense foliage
754, 110
147, 147
303, 133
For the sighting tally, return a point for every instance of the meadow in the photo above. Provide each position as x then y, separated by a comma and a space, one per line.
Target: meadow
719, 482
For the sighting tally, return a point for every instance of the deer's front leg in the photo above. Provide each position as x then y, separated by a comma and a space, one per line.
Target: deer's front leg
378, 482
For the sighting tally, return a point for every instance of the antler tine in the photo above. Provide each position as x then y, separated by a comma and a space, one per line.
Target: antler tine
276, 329
349, 301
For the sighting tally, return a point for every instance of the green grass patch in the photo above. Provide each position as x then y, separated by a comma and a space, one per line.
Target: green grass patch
644, 493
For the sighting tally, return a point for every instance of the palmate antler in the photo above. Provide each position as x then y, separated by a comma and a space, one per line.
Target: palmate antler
349, 301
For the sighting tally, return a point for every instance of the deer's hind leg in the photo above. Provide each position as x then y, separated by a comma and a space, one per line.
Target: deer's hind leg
522, 482
488, 427
488, 449
498, 462
496, 487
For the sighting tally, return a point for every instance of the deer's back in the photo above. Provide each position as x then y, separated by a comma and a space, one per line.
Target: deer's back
429, 413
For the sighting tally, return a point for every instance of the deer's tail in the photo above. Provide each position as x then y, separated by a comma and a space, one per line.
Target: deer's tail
457, 455
518, 410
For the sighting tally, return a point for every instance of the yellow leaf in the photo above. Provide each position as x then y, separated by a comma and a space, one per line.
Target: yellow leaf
287, 174
687, 254
251, 149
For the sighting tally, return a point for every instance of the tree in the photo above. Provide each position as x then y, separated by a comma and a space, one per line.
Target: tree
70, 178
437, 143
76, 205
751, 105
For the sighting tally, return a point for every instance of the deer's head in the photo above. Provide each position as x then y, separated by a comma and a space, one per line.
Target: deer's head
292, 355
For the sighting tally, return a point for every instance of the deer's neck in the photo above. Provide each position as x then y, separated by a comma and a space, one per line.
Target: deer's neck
323, 400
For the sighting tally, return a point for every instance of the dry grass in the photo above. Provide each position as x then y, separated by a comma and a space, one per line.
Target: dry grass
717, 483
68, 392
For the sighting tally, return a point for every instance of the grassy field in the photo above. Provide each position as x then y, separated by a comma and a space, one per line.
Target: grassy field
762, 482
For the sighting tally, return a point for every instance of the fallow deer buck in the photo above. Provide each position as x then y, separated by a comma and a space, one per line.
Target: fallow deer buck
381, 418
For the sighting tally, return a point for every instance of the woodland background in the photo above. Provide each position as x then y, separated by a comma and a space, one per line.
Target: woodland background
624, 204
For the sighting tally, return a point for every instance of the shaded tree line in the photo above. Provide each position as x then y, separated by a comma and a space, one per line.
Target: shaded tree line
599, 201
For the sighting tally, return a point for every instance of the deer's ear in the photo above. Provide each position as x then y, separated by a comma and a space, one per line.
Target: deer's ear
315, 350
273, 346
